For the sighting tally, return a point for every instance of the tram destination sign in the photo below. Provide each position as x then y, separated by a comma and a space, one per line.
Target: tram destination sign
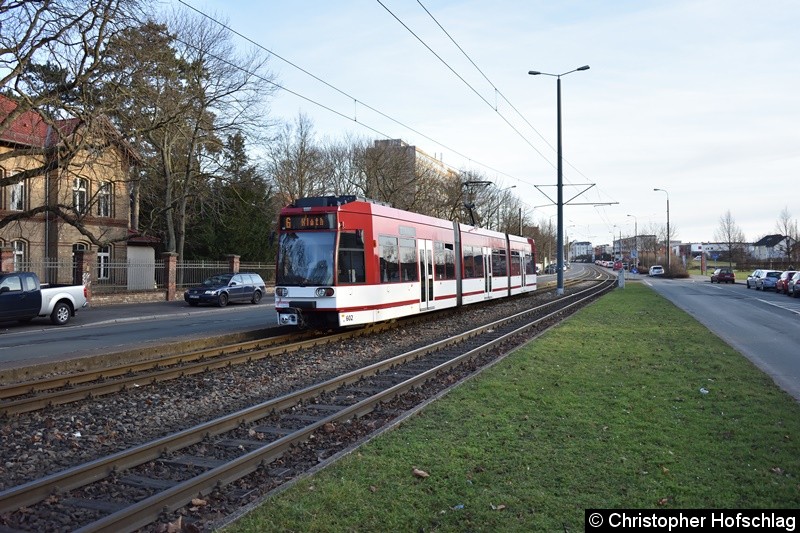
316, 221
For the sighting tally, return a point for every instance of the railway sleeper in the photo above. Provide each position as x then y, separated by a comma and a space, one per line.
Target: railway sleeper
192, 460
103, 506
143, 482
325, 407
304, 418
240, 443
270, 430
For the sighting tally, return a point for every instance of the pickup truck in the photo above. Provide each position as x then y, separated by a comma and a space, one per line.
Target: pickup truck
23, 298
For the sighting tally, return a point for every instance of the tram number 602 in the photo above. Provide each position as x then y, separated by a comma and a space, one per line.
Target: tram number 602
348, 318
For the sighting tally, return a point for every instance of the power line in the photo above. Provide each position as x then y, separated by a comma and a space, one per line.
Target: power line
465, 81
494, 87
340, 91
496, 90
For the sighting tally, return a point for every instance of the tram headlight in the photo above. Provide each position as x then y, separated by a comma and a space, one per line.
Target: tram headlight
282, 291
324, 291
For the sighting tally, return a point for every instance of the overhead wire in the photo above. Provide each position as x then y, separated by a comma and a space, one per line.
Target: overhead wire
446, 64
340, 91
494, 87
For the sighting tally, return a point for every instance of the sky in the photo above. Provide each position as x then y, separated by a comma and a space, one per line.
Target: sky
700, 98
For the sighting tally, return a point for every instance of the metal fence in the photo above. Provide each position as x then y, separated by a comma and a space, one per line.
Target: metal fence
118, 277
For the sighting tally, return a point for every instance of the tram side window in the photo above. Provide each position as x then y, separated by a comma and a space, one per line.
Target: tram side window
445, 259
408, 260
516, 260
478, 255
499, 262
351, 257
389, 267
529, 264
438, 260
469, 263
449, 261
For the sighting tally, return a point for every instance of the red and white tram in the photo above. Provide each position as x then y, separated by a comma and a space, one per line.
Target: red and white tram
345, 261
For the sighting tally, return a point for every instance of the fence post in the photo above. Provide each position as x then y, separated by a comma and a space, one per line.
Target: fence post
6, 259
170, 271
233, 262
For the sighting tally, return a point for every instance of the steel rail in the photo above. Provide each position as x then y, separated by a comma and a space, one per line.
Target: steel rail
146, 511
79, 386
38, 490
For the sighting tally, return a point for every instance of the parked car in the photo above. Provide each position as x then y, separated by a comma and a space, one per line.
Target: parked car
751, 279
782, 285
794, 285
656, 270
723, 275
220, 289
23, 298
552, 268
767, 279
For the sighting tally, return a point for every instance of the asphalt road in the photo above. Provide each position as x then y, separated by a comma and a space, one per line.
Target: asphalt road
114, 328
762, 325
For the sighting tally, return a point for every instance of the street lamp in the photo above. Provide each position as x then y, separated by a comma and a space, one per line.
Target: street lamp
559, 184
667, 240
636, 239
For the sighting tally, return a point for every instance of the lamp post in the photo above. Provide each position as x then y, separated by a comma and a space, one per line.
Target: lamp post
559, 183
636, 239
668, 236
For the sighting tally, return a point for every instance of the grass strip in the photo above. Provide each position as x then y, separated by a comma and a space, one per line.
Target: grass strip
630, 403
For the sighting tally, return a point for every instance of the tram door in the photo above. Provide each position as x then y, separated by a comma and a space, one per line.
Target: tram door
487, 272
426, 300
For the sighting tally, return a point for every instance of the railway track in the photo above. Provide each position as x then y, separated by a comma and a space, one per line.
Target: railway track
63, 389
133, 488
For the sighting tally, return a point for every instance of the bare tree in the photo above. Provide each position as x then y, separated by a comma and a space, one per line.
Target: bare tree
650, 240
296, 163
730, 234
50, 55
788, 228
344, 165
390, 173
181, 90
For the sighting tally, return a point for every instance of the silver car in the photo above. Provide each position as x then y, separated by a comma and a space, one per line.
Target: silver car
751, 279
767, 279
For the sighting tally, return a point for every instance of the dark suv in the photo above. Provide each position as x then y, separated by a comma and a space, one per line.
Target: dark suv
223, 288
723, 274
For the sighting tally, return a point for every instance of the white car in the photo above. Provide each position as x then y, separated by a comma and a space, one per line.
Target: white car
656, 270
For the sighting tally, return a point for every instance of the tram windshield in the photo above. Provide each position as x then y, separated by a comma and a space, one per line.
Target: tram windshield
305, 258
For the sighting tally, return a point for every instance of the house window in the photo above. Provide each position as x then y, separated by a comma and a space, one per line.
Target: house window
104, 199
104, 262
15, 196
18, 251
79, 186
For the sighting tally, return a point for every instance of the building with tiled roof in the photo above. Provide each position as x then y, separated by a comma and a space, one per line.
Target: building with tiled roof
64, 171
